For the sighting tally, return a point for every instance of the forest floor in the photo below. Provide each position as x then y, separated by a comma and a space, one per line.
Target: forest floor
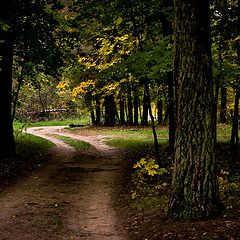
70, 197
82, 195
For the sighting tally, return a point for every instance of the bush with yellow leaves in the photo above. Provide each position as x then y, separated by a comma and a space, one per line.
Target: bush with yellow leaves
229, 188
147, 178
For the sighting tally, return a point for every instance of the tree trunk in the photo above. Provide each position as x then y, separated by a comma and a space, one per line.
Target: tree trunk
145, 110
7, 147
152, 123
98, 112
122, 116
93, 117
110, 119
135, 104
160, 109
194, 190
234, 135
130, 108
223, 113
171, 114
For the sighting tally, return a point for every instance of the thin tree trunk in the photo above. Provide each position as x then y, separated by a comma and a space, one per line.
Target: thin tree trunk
223, 110
152, 123
234, 135
135, 104
145, 110
122, 116
130, 108
98, 112
125, 105
160, 109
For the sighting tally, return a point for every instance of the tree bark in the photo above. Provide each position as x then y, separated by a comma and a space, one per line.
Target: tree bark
145, 110
152, 123
135, 104
7, 146
93, 117
110, 119
234, 135
194, 190
223, 110
160, 109
130, 107
122, 115
98, 112
171, 114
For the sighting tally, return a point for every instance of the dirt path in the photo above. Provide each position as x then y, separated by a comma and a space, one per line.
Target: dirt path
69, 198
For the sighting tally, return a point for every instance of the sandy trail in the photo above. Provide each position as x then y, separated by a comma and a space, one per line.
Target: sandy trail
71, 197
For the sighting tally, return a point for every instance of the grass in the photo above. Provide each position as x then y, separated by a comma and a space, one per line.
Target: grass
56, 122
77, 144
30, 144
135, 131
132, 144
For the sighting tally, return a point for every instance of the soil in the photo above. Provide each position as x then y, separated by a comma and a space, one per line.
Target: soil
73, 196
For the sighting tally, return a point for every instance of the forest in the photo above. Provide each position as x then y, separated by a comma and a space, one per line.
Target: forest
130, 108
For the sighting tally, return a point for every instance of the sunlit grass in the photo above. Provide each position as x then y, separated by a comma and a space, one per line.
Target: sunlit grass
56, 122
77, 144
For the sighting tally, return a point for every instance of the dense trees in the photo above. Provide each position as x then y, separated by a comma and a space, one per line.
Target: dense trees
115, 58
28, 48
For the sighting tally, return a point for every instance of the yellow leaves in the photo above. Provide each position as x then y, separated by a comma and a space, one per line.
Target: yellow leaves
63, 84
83, 88
224, 172
134, 194
237, 38
152, 172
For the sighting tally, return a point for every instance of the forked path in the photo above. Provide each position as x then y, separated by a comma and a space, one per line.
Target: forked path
71, 197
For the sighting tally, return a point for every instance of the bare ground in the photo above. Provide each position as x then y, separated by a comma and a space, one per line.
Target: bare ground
71, 197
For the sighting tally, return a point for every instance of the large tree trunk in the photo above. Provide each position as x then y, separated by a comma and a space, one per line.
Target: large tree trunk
194, 190
7, 146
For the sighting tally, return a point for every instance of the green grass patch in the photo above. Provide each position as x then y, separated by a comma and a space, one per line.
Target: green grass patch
56, 122
130, 144
146, 132
77, 144
27, 143
133, 144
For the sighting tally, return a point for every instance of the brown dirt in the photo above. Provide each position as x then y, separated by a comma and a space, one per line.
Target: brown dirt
71, 197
